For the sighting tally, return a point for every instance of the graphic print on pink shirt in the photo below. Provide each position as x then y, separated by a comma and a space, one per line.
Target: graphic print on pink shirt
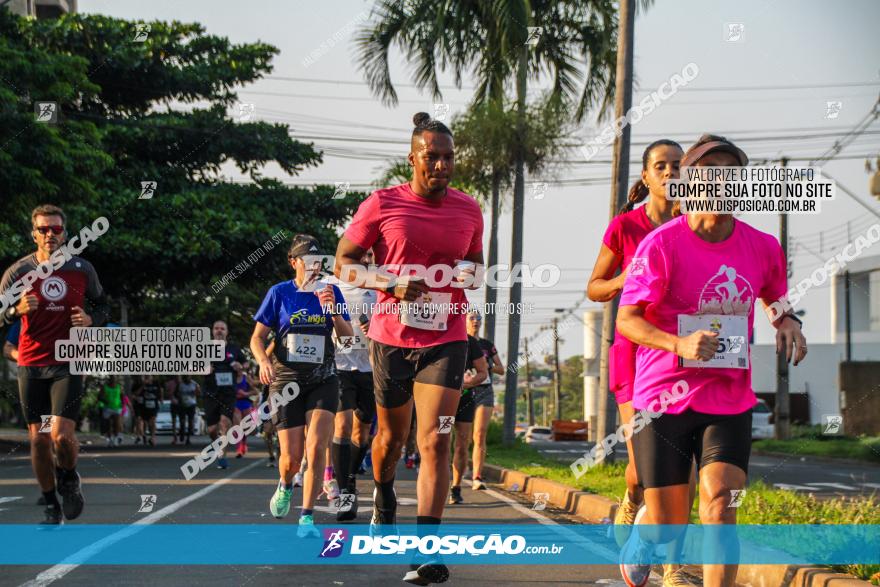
405, 228
685, 274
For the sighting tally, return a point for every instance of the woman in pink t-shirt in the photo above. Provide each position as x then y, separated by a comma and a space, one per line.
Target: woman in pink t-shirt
690, 308
660, 163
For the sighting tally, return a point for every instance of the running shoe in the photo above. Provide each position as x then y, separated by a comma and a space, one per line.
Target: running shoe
307, 527
53, 515
152, 441
270, 463
331, 489
347, 506
478, 484
637, 570
41, 500
222, 463
70, 490
137, 439
432, 571
119, 440
387, 517
279, 505
673, 576
624, 519
455, 496
410, 462
109, 441
298, 479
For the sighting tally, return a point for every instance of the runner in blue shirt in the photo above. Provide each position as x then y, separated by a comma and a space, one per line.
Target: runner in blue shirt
302, 313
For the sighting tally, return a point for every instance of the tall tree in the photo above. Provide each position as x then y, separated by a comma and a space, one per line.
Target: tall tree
492, 40
162, 110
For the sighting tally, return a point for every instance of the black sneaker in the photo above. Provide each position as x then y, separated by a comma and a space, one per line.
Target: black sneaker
70, 490
41, 500
455, 496
347, 507
53, 515
426, 574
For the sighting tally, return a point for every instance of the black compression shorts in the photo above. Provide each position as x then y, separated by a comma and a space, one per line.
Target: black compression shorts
217, 404
356, 393
51, 390
666, 447
395, 369
467, 407
323, 395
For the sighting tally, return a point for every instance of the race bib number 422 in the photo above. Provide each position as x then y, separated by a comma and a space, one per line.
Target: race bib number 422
428, 312
733, 340
305, 348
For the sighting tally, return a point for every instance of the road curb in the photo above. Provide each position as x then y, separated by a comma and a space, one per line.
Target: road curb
595, 508
579, 503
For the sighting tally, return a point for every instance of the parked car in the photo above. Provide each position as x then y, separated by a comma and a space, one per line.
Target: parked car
163, 420
535, 433
762, 420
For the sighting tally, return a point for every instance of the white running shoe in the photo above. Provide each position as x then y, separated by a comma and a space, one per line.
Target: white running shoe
298, 479
331, 489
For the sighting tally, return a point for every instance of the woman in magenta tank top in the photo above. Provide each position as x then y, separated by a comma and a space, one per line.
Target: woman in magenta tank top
660, 163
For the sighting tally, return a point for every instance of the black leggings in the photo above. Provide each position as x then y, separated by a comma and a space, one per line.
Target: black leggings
187, 415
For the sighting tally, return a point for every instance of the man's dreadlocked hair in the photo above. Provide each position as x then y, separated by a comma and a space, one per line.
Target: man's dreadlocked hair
423, 122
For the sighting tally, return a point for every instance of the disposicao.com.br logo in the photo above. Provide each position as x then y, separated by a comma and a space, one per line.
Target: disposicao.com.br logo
448, 544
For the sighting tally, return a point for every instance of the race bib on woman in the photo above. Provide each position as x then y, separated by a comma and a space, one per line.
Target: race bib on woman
305, 348
733, 340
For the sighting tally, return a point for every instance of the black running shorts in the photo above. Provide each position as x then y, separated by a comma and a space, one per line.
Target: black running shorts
356, 393
467, 407
323, 395
50, 390
395, 369
666, 447
217, 404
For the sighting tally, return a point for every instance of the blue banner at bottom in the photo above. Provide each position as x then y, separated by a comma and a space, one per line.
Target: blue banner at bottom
285, 544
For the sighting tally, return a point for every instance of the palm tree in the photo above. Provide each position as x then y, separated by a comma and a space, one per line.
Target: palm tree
576, 48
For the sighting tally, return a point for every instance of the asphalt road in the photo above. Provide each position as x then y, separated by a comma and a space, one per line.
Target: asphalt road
114, 480
801, 474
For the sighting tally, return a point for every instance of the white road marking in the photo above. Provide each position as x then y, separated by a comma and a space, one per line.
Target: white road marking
790, 487
78, 558
8, 499
840, 486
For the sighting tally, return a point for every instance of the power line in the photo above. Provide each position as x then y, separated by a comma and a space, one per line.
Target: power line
853, 84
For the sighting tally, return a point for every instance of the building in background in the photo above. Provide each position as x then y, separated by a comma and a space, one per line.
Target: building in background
41, 8
814, 385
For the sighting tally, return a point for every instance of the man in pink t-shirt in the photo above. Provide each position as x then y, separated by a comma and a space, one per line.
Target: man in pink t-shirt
688, 302
419, 232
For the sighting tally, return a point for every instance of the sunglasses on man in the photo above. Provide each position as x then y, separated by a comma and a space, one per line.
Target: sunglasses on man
55, 229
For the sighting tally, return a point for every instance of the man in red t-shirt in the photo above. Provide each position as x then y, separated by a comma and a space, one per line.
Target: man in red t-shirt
48, 308
418, 340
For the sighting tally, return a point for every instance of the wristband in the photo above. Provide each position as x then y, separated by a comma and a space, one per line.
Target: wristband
795, 318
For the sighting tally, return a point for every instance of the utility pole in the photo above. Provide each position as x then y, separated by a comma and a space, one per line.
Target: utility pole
557, 377
782, 426
620, 178
847, 283
530, 404
516, 246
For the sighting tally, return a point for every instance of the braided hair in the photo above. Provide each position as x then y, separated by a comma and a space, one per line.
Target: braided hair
639, 190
